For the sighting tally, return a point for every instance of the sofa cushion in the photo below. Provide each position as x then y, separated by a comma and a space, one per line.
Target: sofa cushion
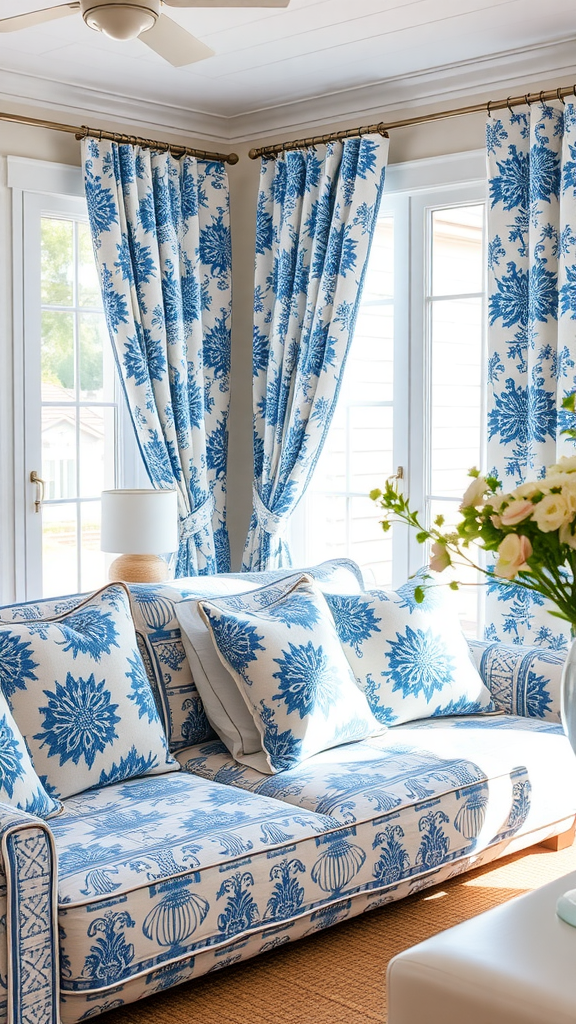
160, 639
523, 766
156, 871
282, 654
411, 660
81, 697
19, 784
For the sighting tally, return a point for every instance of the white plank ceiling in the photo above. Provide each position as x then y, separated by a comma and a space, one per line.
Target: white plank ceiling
266, 58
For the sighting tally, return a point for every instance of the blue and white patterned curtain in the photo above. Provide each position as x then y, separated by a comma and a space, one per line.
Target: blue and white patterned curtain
316, 214
161, 234
532, 329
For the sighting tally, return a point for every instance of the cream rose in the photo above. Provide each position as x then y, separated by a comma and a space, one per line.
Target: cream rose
516, 512
528, 490
567, 464
512, 555
551, 513
439, 557
566, 536
474, 493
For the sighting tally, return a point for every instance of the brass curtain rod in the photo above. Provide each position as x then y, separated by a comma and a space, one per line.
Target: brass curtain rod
131, 140
544, 96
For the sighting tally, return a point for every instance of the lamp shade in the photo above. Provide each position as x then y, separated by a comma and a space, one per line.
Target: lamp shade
139, 522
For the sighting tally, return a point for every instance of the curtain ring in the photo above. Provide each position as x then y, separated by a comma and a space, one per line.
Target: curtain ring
508, 104
527, 99
488, 106
560, 95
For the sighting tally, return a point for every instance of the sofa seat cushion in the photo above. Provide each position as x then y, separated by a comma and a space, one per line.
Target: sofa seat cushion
153, 868
479, 770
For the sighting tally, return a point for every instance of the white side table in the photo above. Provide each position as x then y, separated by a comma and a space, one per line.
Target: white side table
515, 964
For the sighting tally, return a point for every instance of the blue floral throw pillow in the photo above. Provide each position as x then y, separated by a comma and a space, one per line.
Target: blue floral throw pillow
19, 785
282, 650
412, 661
80, 696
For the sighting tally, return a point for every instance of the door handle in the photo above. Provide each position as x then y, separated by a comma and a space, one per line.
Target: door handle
40, 484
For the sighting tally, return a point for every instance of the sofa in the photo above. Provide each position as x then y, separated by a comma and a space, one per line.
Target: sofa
143, 883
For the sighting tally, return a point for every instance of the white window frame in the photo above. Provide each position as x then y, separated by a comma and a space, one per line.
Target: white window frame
38, 188
412, 190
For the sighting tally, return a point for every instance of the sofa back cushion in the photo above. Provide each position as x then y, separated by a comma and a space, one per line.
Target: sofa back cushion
81, 698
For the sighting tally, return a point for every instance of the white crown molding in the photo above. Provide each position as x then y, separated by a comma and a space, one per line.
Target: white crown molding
498, 74
493, 76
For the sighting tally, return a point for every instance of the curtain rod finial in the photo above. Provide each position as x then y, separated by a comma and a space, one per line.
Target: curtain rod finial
232, 158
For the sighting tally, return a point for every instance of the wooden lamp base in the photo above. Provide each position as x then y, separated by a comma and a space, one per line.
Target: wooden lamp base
138, 569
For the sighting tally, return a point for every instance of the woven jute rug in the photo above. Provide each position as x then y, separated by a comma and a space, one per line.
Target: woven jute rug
338, 976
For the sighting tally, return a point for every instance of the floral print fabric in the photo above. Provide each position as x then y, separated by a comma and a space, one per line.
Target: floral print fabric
81, 698
531, 312
281, 648
161, 234
315, 219
411, 660
19, 784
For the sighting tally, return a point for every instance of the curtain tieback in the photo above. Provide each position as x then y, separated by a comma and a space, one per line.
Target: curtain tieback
196, 520
267, 520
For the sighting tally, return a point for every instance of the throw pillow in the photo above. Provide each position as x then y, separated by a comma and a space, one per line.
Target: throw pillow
282, 650
411, 660
80, 696
19, 785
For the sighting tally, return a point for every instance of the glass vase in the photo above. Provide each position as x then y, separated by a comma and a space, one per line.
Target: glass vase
566, 905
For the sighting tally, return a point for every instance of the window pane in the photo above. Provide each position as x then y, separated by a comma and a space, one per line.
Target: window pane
456, 388
379, 279
96, 450
370, 444
370, 368
59, 451
93, 566
326, 527
92, 339
59, 550
57, 262
369, 545
468, 596
58, 348
457, 261
88, 285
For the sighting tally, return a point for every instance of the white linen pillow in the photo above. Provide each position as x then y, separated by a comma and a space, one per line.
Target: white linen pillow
81, 697
411, 660
281, 648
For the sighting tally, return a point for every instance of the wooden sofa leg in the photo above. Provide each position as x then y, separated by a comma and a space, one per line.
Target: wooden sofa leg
561, 842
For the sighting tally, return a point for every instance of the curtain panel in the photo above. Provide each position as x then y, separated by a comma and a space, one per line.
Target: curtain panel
531, 316
317, 209
161, 235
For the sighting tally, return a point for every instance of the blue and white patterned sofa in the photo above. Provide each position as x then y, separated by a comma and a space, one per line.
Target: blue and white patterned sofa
143, 884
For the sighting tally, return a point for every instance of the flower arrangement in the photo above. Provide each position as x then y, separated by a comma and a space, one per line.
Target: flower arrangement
531, 530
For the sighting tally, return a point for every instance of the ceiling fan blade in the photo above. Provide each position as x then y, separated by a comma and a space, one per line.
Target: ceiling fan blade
174, 43
226, 3
37, 17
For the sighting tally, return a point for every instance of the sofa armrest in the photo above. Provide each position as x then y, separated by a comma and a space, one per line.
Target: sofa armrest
522, 680
29, 965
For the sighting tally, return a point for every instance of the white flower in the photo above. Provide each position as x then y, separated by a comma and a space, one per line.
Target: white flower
528, 490
566, 536
518, 510
567, 464
551, 513
474, 493
512, 555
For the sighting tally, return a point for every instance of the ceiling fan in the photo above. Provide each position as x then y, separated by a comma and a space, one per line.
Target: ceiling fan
137, 18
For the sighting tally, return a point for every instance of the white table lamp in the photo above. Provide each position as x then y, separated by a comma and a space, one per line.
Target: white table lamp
139, 526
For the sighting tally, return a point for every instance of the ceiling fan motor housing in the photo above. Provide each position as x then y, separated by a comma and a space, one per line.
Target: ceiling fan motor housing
120, 20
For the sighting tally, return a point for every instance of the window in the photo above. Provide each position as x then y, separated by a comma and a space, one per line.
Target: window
75, 429
412, 399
